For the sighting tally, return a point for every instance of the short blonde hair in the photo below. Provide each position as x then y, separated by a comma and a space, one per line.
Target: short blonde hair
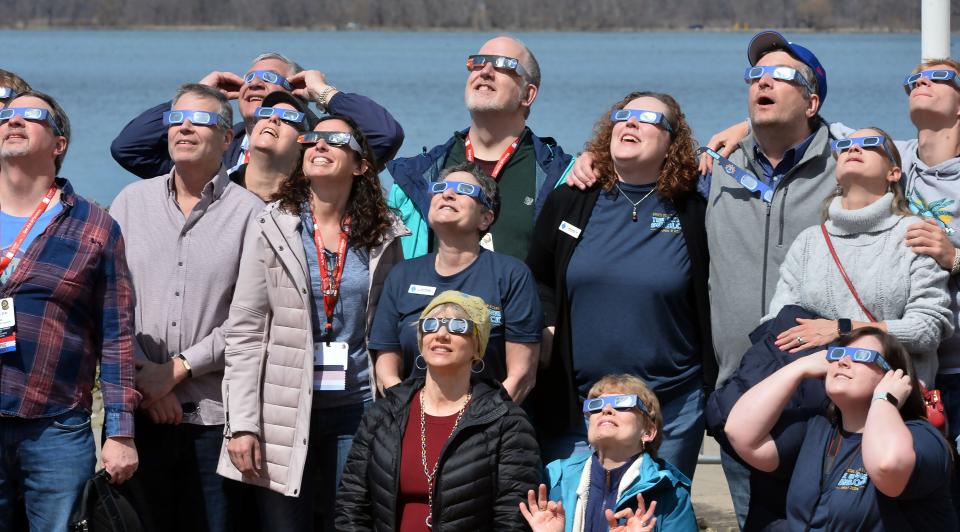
926, 65
630, 384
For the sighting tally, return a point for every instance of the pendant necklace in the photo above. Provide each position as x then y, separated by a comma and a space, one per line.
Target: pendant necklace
633, 215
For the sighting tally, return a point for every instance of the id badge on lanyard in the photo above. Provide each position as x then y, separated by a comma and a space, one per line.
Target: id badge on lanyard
330, 361
511, 149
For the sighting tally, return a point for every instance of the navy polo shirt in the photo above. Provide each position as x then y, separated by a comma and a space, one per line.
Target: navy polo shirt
846, 500
791, 157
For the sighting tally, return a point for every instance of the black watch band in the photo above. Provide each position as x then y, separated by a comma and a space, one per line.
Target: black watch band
844, 326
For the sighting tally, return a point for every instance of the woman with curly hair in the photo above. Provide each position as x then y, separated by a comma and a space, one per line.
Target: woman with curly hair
298, 374
622, 269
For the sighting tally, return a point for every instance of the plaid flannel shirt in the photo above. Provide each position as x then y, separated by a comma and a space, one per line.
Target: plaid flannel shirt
74, 304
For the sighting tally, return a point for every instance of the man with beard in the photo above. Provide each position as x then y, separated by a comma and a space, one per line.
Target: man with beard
503, 81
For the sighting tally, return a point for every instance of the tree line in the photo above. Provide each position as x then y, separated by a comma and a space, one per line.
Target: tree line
470, 14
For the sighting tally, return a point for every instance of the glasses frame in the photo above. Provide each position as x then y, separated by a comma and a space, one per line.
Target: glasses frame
622, 403
778, 72
462, 189
500, 62
457, 326
270, 76
332, 138
642, 115
869, 142
857, 354
6, 92
195, 116
939, 75
33, 114
290, 116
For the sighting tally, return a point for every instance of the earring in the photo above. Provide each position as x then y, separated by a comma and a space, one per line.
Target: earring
483, 366
416, 362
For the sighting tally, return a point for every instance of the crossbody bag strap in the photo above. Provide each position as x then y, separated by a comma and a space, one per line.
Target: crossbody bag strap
843, 273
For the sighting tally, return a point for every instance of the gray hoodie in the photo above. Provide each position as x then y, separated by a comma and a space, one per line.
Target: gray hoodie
748, 240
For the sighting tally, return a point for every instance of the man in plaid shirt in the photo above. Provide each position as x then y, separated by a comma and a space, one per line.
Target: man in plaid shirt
65, 302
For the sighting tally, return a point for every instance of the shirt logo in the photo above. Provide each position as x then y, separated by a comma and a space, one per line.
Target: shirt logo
496, 315
528, 201
853, 479
665, 222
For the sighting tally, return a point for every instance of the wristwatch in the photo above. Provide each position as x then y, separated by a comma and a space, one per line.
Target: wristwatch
186, 365
887, 397
844, 326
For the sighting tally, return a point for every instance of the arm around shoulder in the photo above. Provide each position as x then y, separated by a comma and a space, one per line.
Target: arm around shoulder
141, 146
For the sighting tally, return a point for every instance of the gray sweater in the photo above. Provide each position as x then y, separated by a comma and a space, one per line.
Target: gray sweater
903, 289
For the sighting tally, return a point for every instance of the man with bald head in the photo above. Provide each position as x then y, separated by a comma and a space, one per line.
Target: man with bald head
502, 83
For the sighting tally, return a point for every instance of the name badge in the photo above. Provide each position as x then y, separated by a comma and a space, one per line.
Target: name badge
487, 242
330, 366
422, 290
570, 229
8, 326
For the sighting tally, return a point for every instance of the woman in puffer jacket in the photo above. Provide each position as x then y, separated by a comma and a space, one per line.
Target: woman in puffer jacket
446, 452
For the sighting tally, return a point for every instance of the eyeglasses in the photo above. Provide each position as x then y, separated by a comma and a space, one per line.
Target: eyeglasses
499, 62
458, 326
872, 142
269, 76
287, 115
857, 354
782, 73
943, 76
197, 118
32, 114
333, 138
647, 117
618, 402
5, 92
461, 188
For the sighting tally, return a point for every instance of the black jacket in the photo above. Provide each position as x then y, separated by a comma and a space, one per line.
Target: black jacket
555, 398
484, 471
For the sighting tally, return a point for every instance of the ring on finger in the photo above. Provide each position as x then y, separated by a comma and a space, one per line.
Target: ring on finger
800, 340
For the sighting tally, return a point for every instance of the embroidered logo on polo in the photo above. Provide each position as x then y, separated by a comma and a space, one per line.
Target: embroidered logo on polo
853, 479
665, 222
496, 315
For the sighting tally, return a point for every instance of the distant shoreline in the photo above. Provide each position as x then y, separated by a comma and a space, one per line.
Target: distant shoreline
395, 29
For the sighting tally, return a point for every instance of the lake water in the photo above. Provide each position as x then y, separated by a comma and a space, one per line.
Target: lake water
105, 78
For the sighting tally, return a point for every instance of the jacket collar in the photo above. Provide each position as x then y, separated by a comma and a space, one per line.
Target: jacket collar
819, 147
487, 403
645, 473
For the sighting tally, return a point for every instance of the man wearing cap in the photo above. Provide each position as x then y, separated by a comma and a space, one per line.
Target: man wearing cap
141, 147
501, 87
748, 236
184, 265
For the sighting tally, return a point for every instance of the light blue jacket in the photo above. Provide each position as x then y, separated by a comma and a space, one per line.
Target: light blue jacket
568, 481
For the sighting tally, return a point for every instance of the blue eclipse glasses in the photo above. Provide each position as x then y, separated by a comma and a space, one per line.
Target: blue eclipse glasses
942, 76
857, 354
269, 76
782, 73
618, 402
499, 62
458, 326
461, 188
647, 117
32, 114
871, 142
333, 138
287, 115
5, 92
197, 118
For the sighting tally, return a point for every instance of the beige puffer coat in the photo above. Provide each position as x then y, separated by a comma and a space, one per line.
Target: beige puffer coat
268, 380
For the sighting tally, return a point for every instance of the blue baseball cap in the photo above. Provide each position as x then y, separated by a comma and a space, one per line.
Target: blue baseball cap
768, 40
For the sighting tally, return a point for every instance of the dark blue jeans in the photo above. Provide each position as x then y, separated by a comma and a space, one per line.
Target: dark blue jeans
331, 436
178, 472
49, 460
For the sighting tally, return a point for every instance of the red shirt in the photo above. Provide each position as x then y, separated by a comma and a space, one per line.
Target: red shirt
412, 501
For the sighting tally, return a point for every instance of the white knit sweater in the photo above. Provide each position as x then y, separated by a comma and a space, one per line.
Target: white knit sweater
899, 287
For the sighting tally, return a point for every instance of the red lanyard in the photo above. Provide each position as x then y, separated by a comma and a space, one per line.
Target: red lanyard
511, 149
330, 281
31, 221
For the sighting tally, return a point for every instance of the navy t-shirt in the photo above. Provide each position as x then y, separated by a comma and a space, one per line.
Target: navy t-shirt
631, 295
849, 501
503, 282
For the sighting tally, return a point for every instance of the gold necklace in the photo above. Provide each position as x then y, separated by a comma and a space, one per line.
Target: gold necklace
423, 454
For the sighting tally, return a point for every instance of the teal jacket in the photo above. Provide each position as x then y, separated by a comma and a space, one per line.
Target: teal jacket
409, 198
656, 479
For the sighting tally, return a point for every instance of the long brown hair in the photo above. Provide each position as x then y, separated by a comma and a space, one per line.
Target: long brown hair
366, 205
678, 176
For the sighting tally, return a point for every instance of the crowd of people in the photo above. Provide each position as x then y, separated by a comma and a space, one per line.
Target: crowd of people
509, 338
